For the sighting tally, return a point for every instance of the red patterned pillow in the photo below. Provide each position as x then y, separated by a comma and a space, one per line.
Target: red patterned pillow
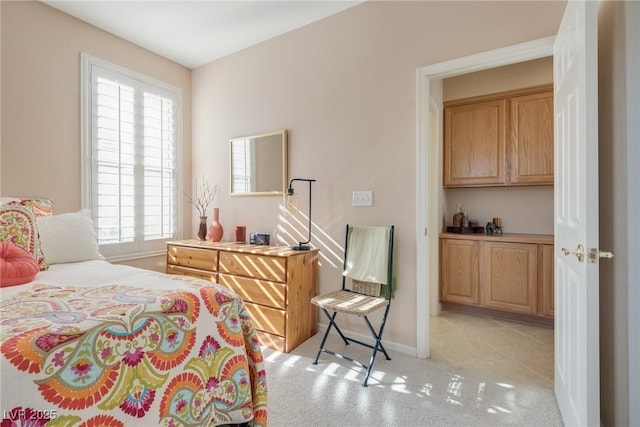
17, 266
18, 226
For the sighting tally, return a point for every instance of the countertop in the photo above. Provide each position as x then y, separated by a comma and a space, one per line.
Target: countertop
541, 239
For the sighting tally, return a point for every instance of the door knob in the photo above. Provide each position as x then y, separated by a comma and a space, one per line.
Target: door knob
578, 252
595, 254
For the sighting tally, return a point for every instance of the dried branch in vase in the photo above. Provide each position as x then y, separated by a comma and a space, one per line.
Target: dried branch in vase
203, 197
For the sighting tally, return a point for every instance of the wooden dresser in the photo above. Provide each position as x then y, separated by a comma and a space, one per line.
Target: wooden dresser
275, 282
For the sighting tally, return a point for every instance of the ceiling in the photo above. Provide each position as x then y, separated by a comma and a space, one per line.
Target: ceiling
193, 33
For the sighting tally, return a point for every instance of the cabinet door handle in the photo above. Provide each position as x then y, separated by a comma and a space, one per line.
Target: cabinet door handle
578, 252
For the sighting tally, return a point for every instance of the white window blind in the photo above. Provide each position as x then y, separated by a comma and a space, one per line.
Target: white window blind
133, 146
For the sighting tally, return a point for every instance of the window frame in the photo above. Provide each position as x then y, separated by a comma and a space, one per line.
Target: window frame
139, 248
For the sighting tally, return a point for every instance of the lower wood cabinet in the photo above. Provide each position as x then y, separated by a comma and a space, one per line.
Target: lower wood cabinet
545, 272
276, 284
510, 276
459, 271
510, 273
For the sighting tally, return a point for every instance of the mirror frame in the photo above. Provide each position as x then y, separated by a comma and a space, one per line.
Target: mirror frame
285, 168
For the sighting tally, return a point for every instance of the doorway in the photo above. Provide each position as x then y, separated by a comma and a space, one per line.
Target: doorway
429, 209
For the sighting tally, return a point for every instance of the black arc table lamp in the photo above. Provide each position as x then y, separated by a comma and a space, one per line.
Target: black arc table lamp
302, 246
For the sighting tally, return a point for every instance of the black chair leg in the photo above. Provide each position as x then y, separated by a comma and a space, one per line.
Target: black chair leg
376, 347
332, 324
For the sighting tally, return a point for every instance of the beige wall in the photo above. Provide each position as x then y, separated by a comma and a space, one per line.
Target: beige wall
522, 209
40, 86
510, 77
345, 88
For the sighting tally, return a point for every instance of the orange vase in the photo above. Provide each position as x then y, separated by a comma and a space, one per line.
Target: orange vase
215, 229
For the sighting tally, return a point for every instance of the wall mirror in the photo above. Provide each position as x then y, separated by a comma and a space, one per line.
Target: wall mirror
258, 164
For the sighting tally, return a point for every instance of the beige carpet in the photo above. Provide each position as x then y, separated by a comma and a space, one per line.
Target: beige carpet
402, 392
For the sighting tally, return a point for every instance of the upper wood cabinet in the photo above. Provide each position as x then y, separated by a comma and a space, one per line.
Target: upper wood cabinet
500, 139
474, 146
531, 139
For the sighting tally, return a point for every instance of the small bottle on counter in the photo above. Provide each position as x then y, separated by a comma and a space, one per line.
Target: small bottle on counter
457, 217
465, 220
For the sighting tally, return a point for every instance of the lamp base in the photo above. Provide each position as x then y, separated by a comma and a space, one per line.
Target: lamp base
301, 247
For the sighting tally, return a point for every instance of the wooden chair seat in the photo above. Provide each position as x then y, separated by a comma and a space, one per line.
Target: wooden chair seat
349, 302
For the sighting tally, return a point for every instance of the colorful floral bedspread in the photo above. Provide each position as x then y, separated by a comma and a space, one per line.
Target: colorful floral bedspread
125, 355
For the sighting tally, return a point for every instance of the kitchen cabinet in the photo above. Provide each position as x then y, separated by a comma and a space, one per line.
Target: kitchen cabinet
459, 273
546, 268
508, 273
531, 147
500, 139
474, 144
510, 276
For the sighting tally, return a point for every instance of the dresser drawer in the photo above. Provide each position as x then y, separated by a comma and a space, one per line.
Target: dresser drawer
275, 342
205, 259
263, 292
257, 266
184, 271
267, 319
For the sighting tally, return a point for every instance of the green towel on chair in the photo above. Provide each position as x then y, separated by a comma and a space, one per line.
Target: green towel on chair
368, 254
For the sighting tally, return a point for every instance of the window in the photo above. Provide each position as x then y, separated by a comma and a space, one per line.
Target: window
131, 148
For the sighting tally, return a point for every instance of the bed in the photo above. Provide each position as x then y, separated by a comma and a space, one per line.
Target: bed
90, 343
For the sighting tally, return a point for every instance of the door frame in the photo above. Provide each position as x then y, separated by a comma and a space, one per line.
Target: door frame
429, 168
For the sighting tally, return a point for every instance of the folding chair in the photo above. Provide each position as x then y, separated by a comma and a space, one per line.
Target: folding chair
368, 266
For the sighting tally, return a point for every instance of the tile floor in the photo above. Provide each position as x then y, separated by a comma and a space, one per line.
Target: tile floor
517, 351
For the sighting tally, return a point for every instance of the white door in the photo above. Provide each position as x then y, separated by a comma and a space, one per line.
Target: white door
577, 362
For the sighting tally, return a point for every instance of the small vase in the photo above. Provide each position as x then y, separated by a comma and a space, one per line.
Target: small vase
202, 231
215, 229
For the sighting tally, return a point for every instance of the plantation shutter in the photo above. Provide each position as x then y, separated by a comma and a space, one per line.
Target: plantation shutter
134, 153
114, 160
159, 166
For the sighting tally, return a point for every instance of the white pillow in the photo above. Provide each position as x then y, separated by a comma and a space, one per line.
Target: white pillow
68, 237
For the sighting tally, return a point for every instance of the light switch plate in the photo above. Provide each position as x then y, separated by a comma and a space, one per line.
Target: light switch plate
363, 198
